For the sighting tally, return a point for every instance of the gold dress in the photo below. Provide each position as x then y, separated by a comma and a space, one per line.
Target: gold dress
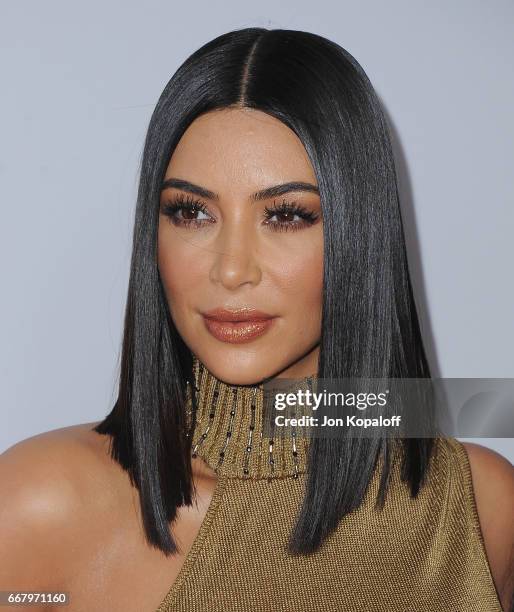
415, 555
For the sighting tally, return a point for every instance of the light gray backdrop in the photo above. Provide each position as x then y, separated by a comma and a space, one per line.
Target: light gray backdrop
79, 82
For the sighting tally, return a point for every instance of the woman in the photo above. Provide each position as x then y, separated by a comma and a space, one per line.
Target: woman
268, 244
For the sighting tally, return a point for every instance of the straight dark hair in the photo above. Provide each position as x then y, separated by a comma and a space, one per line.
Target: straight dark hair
370, 325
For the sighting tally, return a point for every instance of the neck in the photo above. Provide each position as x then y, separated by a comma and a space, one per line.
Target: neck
228, 433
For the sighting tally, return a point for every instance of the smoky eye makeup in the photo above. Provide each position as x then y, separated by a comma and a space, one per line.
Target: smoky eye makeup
181, 210
190, 212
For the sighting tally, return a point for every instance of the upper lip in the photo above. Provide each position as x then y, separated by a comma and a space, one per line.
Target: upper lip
239, 314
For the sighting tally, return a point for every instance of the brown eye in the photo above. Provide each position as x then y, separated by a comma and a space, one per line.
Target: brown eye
189, 213
286, 213
185, 211
286, 216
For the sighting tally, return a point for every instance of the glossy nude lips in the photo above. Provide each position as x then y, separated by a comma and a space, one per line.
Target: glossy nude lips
237, 326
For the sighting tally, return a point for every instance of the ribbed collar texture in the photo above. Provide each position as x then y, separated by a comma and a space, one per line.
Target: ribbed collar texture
229, 435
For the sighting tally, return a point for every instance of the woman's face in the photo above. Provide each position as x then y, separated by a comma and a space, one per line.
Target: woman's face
225, 252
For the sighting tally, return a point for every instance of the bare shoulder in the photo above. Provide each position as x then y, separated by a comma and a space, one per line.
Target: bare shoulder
57, 463
52, 484
493, 485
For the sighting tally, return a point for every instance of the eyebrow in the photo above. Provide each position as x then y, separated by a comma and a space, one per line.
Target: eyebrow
264, 194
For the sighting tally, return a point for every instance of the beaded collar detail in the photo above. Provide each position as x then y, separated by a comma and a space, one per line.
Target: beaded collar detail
228, 434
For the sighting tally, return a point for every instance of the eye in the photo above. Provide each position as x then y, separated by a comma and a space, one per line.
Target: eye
289, 216
185, 211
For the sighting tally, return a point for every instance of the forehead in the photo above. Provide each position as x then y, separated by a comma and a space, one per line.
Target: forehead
243, 148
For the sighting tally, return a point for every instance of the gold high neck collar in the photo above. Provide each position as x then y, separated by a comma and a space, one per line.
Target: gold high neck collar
229, 436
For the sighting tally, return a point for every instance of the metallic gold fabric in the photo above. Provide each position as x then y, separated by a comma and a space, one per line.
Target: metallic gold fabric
246, 452
415, 555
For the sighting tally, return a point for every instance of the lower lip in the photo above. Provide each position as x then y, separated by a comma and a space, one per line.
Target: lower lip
237, 332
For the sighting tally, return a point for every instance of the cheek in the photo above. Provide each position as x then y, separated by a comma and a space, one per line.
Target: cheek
180, 267
301, 279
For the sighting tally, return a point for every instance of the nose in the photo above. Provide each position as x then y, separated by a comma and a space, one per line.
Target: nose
235, 261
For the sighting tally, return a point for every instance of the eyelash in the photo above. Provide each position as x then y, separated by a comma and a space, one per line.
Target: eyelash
181, 202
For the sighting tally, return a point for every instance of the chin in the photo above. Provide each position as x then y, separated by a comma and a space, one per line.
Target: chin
237, 367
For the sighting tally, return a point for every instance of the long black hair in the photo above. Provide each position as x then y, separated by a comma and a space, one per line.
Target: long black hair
370, 325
